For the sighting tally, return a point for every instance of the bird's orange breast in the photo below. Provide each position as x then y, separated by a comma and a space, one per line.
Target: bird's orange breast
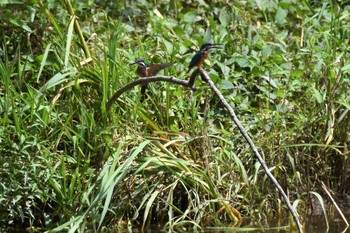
142, 72
204, 56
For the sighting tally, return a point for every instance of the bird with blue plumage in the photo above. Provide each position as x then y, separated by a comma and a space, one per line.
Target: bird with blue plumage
200, 56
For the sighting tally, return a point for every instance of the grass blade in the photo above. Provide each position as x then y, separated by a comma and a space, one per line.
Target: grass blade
320, 200
43, 62
148, 207
69, 42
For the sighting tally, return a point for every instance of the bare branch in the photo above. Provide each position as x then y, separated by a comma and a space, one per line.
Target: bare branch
140, 81
207, 79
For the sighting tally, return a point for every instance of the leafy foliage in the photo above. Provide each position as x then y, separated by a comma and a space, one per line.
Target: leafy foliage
176, 158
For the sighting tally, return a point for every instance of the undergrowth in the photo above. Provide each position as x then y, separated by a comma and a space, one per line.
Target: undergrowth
177, 159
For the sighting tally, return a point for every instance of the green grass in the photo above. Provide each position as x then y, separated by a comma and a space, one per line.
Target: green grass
175, 159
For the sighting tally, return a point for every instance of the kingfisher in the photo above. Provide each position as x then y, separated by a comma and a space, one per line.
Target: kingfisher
144, 70
201, 55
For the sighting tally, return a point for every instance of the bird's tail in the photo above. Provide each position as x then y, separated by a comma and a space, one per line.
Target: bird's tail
143, 92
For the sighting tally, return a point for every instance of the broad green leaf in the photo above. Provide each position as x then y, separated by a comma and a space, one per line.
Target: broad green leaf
267, 51
262, 4
317, 95
243, 62
169, 46
190, 17
280, 16
226, 85
344, 103
345, 68
273, 82
224, 17
20, 24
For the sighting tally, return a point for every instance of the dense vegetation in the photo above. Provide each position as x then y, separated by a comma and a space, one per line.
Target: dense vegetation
176, 158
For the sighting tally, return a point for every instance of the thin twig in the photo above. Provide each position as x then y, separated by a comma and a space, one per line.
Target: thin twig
335, 204
206, 78
145, 81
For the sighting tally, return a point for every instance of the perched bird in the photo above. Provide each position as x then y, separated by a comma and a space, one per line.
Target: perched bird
201, 55
144, 70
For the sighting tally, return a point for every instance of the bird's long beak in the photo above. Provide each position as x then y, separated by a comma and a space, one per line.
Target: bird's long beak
133, 63
219, 46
